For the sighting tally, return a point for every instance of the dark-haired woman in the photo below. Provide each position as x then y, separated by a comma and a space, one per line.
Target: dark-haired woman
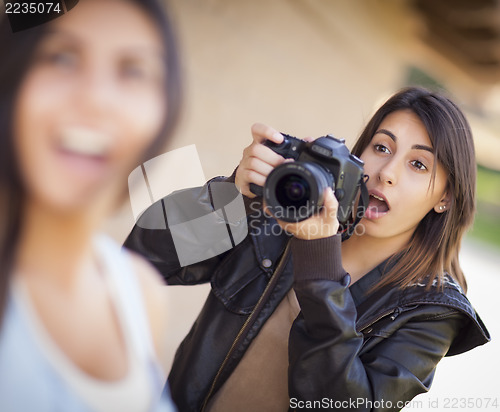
84, 99
296, 319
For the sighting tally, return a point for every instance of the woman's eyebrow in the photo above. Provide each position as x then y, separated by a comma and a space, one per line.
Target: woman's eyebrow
136, 50
64, 34
388, 133
423, 147
416, 146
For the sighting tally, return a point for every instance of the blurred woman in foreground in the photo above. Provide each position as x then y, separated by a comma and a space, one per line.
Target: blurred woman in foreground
84, 99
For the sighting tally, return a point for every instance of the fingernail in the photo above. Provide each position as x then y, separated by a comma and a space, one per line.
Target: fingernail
278, 136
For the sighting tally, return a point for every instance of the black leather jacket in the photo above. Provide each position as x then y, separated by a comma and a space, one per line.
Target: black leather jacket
380, 348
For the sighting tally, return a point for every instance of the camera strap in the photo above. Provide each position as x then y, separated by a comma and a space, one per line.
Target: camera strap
364, 199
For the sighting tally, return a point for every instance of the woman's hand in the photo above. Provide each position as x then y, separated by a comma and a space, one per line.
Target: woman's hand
258, 160
321, 225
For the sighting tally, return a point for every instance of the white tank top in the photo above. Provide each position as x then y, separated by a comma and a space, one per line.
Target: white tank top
35, 374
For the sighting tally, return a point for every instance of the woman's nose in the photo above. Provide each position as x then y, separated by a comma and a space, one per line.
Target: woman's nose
97, 93
388, 174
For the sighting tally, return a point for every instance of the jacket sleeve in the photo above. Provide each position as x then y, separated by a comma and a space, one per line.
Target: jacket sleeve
328, 363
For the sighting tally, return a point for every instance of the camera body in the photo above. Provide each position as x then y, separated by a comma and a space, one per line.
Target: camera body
294, 190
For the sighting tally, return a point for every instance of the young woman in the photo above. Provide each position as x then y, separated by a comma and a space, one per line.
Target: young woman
296, 319
84, 99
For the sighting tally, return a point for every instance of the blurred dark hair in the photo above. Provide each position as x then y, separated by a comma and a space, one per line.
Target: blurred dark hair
435, 244
16, 54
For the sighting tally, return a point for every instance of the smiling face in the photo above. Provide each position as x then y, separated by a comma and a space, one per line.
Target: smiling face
399, 160
90, 104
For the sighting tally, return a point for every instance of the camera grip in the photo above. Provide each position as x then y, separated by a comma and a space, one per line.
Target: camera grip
256, 189
289, 148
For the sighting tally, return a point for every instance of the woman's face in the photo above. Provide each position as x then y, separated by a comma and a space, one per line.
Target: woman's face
90, 104
400, 161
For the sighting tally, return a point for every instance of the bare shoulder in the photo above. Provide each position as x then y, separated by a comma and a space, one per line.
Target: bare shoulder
153, 289
146, 273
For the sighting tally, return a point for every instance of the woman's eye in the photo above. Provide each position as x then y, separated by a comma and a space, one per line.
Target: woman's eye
136, 71
139, 70
418, 165
133, 71
381, 148
60, 58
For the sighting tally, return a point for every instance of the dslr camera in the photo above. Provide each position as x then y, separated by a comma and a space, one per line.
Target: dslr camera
293, 191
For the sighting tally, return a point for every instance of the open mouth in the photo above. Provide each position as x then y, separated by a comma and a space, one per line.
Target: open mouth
84, 142
377, 206
378, 203
84, 151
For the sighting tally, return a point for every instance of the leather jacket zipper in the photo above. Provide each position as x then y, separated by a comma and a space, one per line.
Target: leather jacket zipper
249, 322
393, 312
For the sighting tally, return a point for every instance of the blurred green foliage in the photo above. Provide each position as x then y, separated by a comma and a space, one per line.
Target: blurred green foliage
487, 222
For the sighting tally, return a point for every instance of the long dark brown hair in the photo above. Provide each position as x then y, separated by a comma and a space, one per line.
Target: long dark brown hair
16, 54
434, 246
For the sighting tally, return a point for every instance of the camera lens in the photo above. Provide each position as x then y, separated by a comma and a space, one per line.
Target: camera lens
292, 190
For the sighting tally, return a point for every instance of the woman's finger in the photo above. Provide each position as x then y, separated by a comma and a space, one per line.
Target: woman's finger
330, 205
265, 154
262, 132
257, 165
